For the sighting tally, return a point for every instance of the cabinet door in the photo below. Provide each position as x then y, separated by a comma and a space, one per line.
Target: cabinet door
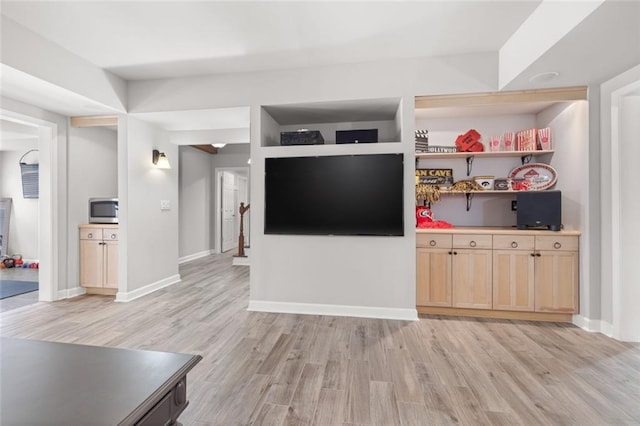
111, 264
433, 277
513, 280
556, 281
471, 279
91, 263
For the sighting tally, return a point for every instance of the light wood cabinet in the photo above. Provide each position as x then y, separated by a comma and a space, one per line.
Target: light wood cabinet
99, 258
556, 278
433, 277
508, 274
513, 272
471, 271
433, 271
449, 274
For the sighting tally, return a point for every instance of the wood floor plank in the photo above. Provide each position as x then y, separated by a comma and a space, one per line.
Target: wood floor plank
405, 380
384, 407
412, 414
305, 397
267, 368
330, 408
285, 382
271, 415
357, 405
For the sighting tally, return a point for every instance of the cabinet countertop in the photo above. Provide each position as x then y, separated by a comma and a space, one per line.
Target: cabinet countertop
99, 225
496, 230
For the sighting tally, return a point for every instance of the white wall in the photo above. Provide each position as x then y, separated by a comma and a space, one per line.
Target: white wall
23, 231
92, 172
376, 276
629, 218
195, 197
148, 236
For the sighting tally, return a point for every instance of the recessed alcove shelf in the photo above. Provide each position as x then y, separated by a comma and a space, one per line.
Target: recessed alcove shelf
328, 117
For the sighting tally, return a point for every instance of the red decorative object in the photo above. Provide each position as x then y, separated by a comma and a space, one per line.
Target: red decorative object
424, 218
470, 142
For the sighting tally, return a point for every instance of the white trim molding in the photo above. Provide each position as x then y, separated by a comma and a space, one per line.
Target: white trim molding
594, 326
69, 293
148, 289
194, 256
333, 310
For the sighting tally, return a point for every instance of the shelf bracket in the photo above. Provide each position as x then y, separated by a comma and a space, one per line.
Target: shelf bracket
469, 199
469, 164
526, 159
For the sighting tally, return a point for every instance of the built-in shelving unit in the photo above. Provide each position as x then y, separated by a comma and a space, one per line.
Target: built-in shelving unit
483, 267
493, 114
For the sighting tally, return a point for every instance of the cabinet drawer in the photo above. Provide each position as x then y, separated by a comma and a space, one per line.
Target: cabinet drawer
433, 240
110, 234
90, 233
513, 242
472, 241
566, 243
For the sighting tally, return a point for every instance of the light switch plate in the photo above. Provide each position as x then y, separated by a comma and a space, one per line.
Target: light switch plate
165, 205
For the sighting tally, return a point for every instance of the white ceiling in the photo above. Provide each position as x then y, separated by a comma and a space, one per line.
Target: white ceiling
161, 39
151, 39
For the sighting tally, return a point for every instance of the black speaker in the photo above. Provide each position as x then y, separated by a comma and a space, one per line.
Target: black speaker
357, 136
539, 209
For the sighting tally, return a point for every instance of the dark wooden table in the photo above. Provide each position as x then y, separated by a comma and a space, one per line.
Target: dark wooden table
67, 384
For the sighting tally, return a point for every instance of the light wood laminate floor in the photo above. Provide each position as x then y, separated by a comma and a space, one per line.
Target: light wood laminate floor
278, 369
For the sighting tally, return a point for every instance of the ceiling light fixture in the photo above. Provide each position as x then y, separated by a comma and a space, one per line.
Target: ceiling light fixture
160, 160
218, 145
544, 77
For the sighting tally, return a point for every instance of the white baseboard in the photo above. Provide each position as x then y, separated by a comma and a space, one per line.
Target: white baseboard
148, 289
597, 326
69, 293
333, 310
194, 256
241, 261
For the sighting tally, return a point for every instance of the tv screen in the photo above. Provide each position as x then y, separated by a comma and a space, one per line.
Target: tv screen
334, 195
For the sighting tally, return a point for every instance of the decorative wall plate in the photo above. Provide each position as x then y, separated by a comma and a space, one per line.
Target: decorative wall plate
541, 176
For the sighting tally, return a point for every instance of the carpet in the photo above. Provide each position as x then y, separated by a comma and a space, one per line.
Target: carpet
10, 288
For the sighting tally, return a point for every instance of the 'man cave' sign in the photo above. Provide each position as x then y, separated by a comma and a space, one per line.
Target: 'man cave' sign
434, 176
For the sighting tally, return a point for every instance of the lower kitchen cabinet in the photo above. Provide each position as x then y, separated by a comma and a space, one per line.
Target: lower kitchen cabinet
498, 273
99, 258
471, 271
554, 269
513, 272
433, 272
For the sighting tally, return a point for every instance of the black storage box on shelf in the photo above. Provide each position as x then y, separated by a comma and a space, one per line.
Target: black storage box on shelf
357, 136
301, 137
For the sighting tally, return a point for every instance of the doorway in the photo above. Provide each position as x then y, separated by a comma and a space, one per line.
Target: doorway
49, 195
232, 188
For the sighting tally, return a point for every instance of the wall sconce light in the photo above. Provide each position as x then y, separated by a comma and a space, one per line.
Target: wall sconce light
218, 145
160, 160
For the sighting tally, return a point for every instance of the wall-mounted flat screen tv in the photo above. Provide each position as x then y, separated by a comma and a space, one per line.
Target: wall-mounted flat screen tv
334, 195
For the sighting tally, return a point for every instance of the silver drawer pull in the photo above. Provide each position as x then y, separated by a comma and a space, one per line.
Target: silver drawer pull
89, 235
432, 243
557, 245
113, 236
472, 243
514, 244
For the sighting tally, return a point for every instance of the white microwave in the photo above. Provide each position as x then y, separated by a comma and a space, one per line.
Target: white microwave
103, 210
